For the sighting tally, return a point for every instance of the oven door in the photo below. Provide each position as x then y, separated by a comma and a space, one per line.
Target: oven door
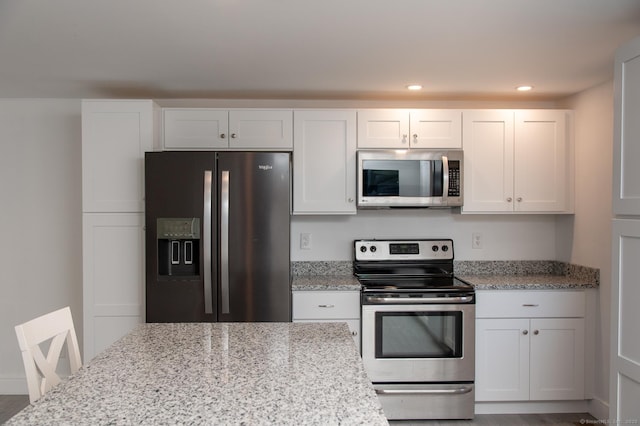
419, 342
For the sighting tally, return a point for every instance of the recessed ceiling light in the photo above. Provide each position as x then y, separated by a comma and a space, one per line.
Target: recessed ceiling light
524, 88
414, 87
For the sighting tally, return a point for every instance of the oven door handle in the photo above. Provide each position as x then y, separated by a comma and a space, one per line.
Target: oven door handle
421, 300
433, 391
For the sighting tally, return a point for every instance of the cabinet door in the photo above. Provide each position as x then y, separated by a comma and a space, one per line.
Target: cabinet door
195, 128
541, 163
261, 129
115, 136
383, 128
557, 359
433, 128
502, 359
488, 161
625, 317
626, 143
113, 278
324, 163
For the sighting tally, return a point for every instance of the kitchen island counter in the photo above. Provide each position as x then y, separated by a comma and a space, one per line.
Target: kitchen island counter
218, 373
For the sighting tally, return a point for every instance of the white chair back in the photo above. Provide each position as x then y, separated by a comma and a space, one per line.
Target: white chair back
41, 373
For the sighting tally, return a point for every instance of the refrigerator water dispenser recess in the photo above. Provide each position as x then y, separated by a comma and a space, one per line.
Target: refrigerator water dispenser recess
178, 246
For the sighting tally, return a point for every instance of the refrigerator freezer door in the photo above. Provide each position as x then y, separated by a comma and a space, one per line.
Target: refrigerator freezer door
181, 185
254, 249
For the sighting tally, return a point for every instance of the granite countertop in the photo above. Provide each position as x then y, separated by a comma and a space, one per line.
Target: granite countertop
218, 373
526, 282
483, 275
325, 283
526, 275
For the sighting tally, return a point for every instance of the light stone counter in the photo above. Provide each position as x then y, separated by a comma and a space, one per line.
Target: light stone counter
325, 283
526, 282
218, 373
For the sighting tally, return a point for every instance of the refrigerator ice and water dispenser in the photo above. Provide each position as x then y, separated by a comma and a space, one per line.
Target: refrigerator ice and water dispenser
178, 246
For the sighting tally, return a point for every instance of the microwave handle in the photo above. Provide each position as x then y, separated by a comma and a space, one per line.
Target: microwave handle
445, 179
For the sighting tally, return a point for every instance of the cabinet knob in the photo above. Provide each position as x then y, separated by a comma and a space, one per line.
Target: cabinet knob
354, 333
415, 137
509, 199
233, 136
404, 138
536, 332
326, 306
525, 332
222, 136
519, 199
350, 200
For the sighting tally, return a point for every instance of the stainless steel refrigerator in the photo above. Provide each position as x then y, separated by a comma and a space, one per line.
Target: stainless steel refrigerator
217, 236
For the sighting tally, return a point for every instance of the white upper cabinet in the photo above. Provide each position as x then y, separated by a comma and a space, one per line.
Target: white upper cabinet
208, 128
517, 161
401, 128
324, 162
115, 136
626, 152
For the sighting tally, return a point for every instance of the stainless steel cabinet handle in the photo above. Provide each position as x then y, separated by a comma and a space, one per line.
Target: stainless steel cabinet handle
525, 332
233, 136
417, 300
206, 243
326, 306
415, 138
444, 391
354, 333
519, 199
536, 332
509, 199
222, 136
404, 138
350, 200
530, 305
224, 241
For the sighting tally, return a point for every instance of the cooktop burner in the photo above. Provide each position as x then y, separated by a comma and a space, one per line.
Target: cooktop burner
406, 265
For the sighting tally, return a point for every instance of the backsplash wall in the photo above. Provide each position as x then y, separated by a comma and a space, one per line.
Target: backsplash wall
504, 237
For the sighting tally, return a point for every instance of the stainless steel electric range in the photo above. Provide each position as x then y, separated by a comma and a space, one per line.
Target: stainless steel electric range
418, 328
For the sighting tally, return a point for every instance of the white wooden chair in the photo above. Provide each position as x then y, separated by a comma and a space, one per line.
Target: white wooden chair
41, 373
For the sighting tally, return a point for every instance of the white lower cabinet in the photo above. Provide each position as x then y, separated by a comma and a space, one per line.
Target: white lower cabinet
113, 276
530, 345
329, 306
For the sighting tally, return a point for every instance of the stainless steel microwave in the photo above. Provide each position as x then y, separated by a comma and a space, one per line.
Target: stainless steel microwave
406, 178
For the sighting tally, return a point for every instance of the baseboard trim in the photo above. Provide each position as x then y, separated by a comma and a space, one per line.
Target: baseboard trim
599, 408
524, 407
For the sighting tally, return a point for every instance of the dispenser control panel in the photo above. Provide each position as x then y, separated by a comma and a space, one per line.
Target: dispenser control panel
179, 228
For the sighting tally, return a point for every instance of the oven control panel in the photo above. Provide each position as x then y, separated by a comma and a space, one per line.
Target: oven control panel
381, 250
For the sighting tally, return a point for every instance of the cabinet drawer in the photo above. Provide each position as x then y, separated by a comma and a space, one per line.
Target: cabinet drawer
326, 304
530, 304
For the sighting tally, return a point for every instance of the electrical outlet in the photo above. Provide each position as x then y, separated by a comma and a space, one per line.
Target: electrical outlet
305, 241
476, 240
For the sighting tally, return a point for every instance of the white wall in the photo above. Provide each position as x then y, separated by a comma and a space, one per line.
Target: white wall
585, 238
40, 220
505, 237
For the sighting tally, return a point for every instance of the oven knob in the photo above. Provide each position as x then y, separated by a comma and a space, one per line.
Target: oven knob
445, 248
363, 249
434, 248
373, 249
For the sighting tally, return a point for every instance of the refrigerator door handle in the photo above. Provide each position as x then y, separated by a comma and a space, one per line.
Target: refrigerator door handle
206, 242
224, 242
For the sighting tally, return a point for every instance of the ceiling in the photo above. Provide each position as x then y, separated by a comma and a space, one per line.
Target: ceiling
309, 49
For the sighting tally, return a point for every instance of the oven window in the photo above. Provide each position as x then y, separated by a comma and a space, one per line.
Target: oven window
418, 334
